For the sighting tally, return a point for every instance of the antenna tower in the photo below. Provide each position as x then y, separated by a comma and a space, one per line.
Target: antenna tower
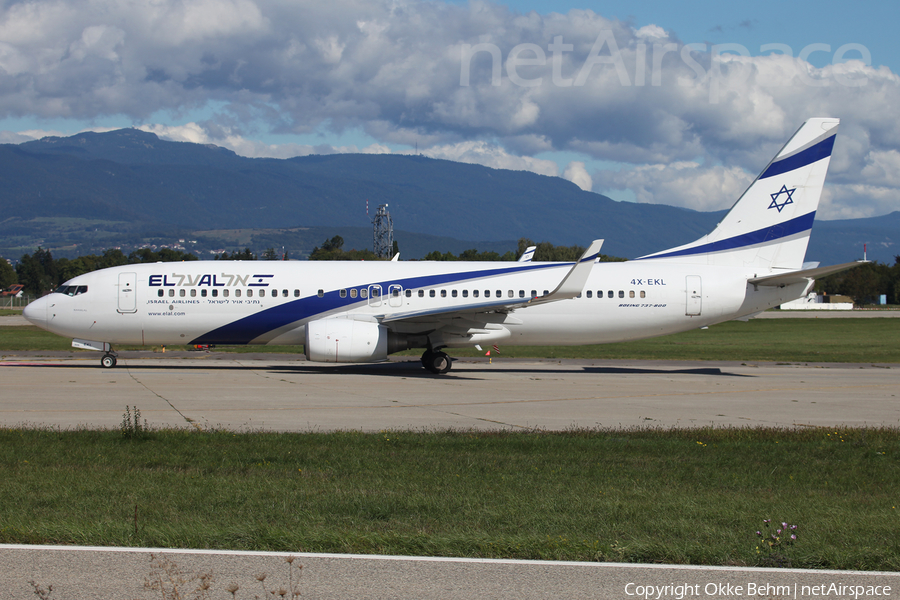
383, 232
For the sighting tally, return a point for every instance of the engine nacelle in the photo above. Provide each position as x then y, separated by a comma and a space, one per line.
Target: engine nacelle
340, 340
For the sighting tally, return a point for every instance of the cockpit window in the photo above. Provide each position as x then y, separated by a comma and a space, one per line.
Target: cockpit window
71, 290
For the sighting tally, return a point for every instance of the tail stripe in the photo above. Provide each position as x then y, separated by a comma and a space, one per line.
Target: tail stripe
775, 233
808, 156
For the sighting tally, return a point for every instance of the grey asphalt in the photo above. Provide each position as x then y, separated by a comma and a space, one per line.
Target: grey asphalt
282, 392
128, 574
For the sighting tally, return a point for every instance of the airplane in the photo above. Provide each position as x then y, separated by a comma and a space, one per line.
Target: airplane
355, 312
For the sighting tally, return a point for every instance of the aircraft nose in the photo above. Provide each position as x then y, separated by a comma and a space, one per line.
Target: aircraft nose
36, 312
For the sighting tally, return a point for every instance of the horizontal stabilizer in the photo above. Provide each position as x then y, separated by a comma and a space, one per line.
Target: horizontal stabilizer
803, 276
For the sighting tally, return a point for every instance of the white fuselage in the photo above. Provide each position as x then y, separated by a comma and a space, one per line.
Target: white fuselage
222, 302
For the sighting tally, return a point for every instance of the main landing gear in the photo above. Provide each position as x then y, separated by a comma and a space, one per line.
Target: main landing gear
436, 362
109, 360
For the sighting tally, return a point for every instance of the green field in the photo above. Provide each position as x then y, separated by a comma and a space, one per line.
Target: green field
670, 496
870, 340
674, 496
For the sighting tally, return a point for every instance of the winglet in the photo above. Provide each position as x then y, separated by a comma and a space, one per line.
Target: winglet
528, 254
573, 283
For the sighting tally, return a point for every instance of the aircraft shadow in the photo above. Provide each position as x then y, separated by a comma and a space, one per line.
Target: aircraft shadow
395, 369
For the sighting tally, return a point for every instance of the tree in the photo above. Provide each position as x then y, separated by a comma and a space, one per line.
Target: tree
333, 249
864, 283
38, 272
244, 255
7, 274
112, 257
270, 254
146, 255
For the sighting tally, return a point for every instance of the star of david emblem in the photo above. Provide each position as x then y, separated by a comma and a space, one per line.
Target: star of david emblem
788, 200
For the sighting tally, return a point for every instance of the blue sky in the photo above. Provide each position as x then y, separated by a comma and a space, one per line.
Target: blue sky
796, 23
273, 78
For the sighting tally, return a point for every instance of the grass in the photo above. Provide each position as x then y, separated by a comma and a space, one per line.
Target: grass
669, 496
870, 340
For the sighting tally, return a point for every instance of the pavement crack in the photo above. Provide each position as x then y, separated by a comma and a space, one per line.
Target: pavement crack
187, 419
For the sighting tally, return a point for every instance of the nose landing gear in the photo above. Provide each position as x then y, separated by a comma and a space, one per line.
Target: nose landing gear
108, 361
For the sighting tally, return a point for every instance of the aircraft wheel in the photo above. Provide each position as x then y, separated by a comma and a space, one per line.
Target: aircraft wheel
426, 358
439, 363
108, 361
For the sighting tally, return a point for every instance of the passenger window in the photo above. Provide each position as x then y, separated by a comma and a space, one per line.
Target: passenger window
579, 295
631, 294
237, 293
364, 293
353, 293
643, 294
453, 293
610, 294
546, 292
521, 293
284, 293
343, 293
443, 293
321, 293
182, 293
159, 293
203, 293
225, 293
511, 293
421, 293
296, 293
599, 293
621, 294
249, 293
474, 293
590, 294
409, 293
534, 293
466, 293
215, 293
431, 293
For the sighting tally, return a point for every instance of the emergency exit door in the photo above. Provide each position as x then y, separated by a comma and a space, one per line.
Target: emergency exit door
127, 293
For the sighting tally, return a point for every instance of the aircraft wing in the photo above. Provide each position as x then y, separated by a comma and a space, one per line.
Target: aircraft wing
802, 276
485, 314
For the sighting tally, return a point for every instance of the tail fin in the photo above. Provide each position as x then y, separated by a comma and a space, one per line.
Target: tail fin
769, 225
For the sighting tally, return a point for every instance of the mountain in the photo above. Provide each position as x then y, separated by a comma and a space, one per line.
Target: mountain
132, 181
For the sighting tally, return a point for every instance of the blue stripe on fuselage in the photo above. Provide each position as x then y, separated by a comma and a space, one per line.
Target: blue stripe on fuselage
245, 330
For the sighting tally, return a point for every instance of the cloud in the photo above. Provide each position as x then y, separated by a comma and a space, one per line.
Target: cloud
577, 174
477, 82
686, 184
491, 155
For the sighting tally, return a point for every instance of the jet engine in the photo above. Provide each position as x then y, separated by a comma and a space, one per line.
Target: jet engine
340, 340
